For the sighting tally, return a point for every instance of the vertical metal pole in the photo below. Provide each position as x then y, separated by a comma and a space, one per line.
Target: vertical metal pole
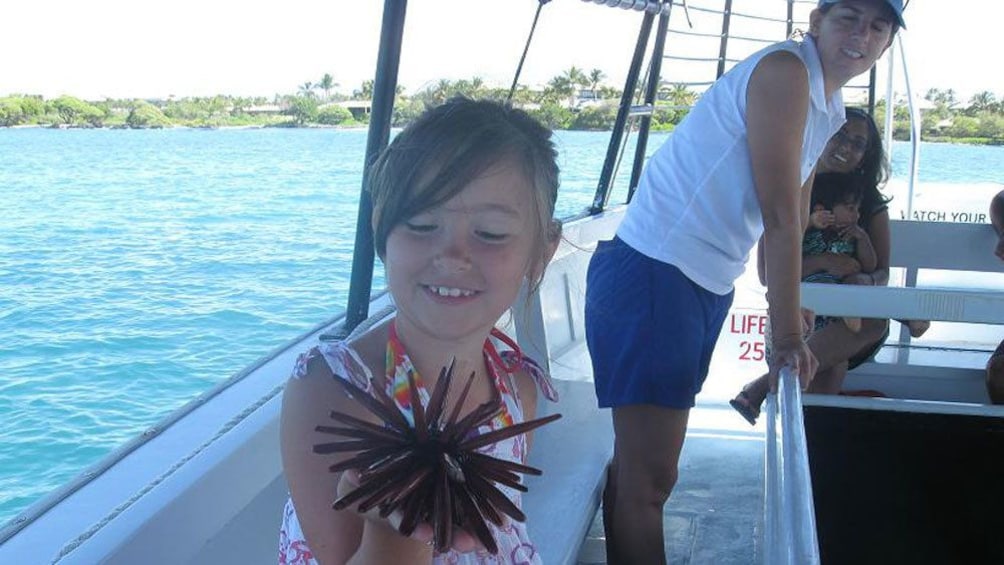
651, 94
603, 187
384, 90
872, 77
723, 48
790, 26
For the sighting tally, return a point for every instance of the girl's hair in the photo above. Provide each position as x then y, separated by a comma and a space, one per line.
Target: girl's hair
446, 148
830, 189
873, 168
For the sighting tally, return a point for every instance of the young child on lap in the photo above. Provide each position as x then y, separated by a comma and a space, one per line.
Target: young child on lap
836, 203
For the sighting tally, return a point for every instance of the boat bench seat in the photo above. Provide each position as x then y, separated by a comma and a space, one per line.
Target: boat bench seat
918, 247
574, 451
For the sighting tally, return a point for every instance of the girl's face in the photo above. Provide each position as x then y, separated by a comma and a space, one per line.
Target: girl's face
454, 269
851, 36
846, 213
844, 151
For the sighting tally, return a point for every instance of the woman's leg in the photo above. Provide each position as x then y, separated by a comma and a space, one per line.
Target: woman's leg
995, 375
835, 344
647, 444
830, 380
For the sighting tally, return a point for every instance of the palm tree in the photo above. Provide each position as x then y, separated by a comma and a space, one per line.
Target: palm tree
307, 89
326, 84
982, 101
679, 95
596, 76
365, 91
561, 87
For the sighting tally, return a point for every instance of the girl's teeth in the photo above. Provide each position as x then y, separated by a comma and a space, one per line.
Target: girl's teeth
452, 292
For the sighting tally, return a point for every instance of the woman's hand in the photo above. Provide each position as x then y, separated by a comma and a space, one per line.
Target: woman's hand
839, 265
860, 279
795, 353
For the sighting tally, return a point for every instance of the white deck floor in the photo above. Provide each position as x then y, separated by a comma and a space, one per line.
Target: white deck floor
717, 505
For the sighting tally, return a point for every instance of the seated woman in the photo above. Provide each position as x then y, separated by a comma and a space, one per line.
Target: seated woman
855, 149
995, 366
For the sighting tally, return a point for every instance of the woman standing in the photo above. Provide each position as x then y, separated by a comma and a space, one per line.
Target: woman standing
738, 167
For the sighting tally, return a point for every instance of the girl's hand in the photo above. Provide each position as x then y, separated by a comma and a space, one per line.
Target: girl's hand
821, 219
463, 542
852, 232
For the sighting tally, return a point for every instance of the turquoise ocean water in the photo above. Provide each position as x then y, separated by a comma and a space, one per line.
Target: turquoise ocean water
139, 268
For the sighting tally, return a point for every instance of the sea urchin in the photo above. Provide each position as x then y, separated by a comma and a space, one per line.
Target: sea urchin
431, 471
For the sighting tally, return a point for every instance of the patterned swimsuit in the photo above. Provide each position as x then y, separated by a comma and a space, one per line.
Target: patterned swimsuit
514, 544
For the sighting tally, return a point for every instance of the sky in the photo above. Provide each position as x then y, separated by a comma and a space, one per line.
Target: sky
96, 49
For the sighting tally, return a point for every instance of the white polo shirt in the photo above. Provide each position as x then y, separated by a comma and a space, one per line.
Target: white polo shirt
696, 205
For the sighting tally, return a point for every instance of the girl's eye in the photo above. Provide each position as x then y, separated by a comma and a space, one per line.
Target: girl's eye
419, 227
491, 236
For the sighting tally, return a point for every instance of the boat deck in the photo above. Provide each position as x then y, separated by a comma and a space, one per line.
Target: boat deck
716, 507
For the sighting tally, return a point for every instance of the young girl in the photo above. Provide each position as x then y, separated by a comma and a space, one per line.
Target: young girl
833, 228
463, 202
737, 167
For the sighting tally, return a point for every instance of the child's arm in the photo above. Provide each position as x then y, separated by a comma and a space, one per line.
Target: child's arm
345, 536
777, 103
864, 251
332, 536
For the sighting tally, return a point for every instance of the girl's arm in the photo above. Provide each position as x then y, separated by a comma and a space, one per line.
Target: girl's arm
880, 239
777, 101
334, 537
864, 252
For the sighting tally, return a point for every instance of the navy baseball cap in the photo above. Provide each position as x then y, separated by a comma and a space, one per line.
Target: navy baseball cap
895, 5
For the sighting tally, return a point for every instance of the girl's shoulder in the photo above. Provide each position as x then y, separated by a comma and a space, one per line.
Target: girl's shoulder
354, 361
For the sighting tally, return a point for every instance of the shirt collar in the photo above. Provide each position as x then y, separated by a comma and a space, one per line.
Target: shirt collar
834, 107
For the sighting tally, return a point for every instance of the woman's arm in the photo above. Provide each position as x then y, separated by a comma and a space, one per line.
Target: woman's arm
997, 219
777, 100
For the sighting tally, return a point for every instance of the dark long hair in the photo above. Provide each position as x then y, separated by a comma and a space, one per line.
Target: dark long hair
873, 168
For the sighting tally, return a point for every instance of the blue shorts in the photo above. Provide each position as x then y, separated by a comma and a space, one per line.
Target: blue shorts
650, 329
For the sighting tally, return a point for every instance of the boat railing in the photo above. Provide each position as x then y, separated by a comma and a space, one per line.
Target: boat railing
789, 532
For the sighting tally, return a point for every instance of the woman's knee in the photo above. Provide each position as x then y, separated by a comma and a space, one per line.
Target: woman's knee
873, 329
647, 481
